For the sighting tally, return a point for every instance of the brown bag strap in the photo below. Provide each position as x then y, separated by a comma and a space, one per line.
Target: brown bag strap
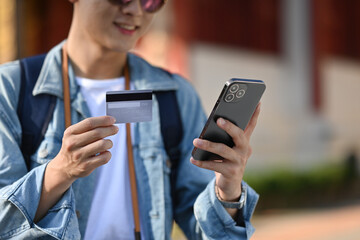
66, 88
131, 165
66, 92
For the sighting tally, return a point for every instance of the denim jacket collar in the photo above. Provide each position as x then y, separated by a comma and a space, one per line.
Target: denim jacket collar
50, 77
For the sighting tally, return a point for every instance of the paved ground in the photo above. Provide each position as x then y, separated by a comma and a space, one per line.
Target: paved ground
338, 223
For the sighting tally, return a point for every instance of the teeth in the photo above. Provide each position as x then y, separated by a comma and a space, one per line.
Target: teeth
127, 27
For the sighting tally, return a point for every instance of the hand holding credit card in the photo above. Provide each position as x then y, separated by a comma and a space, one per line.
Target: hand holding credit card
129, 106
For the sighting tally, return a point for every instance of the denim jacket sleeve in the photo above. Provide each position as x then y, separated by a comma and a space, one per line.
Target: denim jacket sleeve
198, 211
20, 190
216, 223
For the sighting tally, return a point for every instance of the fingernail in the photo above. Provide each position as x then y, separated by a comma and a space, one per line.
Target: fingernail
218, 161
193, 161
221, 121
198, 142
113, 119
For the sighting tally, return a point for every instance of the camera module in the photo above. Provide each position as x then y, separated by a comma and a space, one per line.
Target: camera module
234, 88
240, 93
229, 97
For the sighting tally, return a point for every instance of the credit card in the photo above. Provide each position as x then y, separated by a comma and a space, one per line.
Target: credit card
129, 106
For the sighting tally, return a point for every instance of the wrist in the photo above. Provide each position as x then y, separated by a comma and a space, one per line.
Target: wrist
237, 203
55, 184
227, 194
56, 178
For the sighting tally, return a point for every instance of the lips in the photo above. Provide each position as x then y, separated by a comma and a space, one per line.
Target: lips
125, 28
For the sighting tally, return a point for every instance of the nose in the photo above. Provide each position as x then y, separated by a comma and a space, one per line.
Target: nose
132, 8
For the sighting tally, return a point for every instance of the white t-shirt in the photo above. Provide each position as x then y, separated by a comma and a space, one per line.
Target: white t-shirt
111, 215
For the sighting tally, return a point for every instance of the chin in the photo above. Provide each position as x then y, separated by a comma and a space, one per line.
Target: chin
118, 49
121, 48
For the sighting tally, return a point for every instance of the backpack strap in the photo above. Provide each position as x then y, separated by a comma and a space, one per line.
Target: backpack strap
171, 130
34, 112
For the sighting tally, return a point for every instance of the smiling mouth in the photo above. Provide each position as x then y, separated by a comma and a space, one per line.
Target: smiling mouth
126, 27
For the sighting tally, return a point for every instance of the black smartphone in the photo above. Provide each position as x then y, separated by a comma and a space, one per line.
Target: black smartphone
236, 103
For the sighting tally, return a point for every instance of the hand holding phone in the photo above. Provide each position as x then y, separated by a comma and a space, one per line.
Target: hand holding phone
236, 103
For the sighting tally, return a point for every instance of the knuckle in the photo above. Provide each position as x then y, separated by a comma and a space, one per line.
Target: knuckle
243, 158
97, 134
228, 127
68, 132
85, 167
83, 171
219, 149
247, 145
69, 144
89, 124
222, 148
241, 141
107, 120
232, 171
239, 131
209, 145
104, 158
77, 155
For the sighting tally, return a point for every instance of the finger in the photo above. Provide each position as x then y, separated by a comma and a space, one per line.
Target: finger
236, 133
95, 134
218, 148
91, 123
95, 148
252, 124
215, 166
100, 159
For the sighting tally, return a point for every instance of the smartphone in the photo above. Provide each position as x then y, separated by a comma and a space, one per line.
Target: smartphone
236, 103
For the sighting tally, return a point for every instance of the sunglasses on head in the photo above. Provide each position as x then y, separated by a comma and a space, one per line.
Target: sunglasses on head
149, 6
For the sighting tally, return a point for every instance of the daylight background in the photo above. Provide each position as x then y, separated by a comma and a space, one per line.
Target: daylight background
306, 146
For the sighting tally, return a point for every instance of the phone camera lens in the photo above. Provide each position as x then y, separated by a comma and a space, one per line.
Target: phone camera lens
240, 93
229, 97
234, 88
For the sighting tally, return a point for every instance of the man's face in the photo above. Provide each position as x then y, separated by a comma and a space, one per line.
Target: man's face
111, 26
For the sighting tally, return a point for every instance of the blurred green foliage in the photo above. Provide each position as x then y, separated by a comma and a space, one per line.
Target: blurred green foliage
321, 186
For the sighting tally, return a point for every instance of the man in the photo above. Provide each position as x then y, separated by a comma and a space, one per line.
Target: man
79, 183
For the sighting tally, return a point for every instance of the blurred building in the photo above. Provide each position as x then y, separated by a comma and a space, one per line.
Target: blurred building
307, 52
29, 27
7, 30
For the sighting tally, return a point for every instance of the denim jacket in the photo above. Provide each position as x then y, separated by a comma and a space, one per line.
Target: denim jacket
197, 211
